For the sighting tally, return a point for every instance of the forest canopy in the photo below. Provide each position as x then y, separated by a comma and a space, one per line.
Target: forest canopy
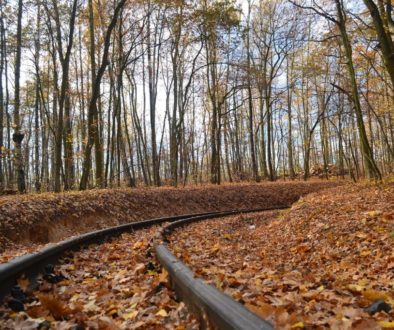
97, 93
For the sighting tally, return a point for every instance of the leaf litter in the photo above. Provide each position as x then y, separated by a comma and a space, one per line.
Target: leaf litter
326, 263
28, 222
114, 285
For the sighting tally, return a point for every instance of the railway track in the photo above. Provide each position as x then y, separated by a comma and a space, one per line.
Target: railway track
212, 308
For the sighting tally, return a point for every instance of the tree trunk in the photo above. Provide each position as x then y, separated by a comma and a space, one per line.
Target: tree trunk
384, 37
371, 169
2, 56
37, 179
152, 83
289, 119
18, 136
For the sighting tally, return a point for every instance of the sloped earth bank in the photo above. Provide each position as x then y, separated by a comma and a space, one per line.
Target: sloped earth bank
29, 221
115, 285
323, 264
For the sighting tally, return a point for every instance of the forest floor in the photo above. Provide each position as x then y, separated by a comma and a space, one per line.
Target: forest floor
115, 285
28, 222
326, 263
119, 284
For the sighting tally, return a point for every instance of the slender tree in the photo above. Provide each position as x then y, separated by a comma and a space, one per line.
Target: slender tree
18, 135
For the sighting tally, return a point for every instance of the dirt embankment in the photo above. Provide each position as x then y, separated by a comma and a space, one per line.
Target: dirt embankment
26, 220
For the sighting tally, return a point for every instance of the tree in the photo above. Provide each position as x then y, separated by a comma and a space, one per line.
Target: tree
2, 56
381, 20
177, 92
372, 171
93, 112
256, 176
64, 98
216, 16
18, 136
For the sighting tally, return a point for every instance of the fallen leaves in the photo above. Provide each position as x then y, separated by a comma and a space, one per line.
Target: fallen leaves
107, 286
54, 305
140, 245
162, 312
321, 265
386, 324
27, 222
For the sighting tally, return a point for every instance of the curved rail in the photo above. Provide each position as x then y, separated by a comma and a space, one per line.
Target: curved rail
34, 263
211, 305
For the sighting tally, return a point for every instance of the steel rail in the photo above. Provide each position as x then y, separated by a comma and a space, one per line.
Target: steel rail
213, 308
210, 305
34, 263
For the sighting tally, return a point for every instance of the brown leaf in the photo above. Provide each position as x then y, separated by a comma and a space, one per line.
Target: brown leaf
55, 306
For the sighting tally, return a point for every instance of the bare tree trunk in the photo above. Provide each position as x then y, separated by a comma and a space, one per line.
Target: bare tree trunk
384, 35
37, 179
263, 157
152, 82
289, 73
372, 171
174, 143
18, 136
2, 56
255, 173
269, 137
